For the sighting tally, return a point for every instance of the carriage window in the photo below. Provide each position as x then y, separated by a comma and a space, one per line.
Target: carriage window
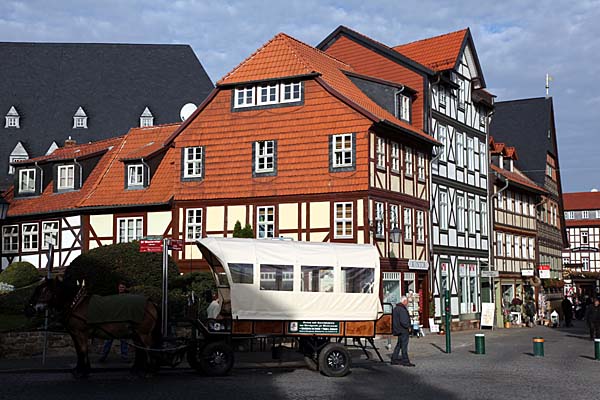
277, 277
358, 280
241, 273
316, 279
221, 276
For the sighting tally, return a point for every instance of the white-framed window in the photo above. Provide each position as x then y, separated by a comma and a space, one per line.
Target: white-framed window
27, 180
192, 160
517, 247
146, 119
471, 215
408, 224
395, 155
244, 97
500, 200
80, 119
585, 261
130, 229
569, 215
420, 226
477, 159
10, 238
421, 166
531, 248
265, 222
517, 203
524, 248
408, 161
135, 175
342, 150
470, 153
509, 201
30, 237
291, 92
460, 149
403, 107
460, 212
12, 118
267, 94
585, 214
49, 234
380, 150
484, 217
509, 244
482, 158
482, 118
461, 93
193, 224
393, 216
379, 220
66, 177
499, 243
549, 170
598, 214
443, 203
443, 138
442, 96
584, 237
264, 156
11, 159
343, 220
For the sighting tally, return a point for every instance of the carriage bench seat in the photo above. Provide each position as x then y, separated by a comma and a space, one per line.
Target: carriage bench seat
116, 308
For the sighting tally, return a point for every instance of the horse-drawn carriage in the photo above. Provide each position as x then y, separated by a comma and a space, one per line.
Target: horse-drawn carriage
318, 294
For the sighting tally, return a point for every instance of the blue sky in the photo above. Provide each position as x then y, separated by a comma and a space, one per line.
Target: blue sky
518, 42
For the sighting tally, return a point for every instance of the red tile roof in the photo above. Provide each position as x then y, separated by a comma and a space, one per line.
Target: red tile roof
518, 178
110, 189
77, 151
284, 56
438, 53
581, 201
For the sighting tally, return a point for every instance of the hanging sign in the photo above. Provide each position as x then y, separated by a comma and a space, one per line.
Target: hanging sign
544, 271
526, 272
417, 264
151, 246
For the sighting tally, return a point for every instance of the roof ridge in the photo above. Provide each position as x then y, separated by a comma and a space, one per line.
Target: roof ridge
92, 43
300, 57
317, 51
432, 37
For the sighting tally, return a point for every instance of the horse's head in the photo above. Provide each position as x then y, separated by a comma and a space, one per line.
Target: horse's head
44, 296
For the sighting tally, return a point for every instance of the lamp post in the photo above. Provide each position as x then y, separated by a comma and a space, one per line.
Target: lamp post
395, 235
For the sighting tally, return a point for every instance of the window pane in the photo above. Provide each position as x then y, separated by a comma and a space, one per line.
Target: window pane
241, 273
358, 280
276, 277
316, 279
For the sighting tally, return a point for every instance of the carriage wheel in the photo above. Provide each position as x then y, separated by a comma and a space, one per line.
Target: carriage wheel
334, 360
216, 359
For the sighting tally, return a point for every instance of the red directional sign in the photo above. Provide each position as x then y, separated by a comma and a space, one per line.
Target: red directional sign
150, 246
176, 244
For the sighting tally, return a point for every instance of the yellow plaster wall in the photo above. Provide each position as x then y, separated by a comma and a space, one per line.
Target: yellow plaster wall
319, 216
158, 222
214, 218
288, 216
102, 224
235, 213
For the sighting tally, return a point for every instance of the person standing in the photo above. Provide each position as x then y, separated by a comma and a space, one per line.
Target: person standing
567, 309
121, 288
400, 328
592, 317
214, 308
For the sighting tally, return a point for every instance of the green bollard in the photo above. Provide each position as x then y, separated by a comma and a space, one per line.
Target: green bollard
538, 346
597, 349
479, 343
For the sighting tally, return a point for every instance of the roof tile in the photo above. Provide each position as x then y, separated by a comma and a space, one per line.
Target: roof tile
438, 53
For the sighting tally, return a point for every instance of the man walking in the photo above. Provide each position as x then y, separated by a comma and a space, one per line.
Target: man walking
592, 317
567, 309
400, 326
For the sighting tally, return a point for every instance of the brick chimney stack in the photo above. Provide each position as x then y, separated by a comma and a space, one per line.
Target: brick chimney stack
70, 142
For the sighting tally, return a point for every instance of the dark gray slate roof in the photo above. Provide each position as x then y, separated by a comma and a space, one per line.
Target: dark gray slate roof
113, 83
526, 124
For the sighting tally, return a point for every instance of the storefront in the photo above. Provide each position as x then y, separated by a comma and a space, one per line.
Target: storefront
412, 284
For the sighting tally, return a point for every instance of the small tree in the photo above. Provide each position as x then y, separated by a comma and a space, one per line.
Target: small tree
239, 232
247, 232
237, 229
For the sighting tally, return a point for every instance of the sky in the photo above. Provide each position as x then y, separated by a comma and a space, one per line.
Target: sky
517, 41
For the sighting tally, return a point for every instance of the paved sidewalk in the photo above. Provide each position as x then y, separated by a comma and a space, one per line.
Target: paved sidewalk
423, 348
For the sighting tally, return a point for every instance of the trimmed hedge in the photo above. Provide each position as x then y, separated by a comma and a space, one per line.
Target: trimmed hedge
20, 274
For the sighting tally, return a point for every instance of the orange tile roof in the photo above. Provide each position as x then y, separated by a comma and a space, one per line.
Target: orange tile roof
518, 178
284, 56
581, 201
49, 201
438, 53
110, 189
75, 151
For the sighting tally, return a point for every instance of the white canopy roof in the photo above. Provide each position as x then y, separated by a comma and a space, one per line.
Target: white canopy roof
343, 263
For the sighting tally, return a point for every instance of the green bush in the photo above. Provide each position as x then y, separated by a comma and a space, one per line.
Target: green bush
104, 267
14, 302
245, 232
20, 274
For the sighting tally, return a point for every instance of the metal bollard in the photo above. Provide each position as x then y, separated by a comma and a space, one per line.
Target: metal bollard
597, 349
479, 343
538, 346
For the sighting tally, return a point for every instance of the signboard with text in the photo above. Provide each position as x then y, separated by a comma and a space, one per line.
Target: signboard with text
151, 246
544, 271
418, 264
314, 327
487, 314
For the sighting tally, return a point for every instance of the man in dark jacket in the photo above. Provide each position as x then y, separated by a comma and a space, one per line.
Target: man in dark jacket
400, 328
592, 317
567, 309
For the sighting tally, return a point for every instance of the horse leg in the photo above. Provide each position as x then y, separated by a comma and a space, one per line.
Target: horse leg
82, 368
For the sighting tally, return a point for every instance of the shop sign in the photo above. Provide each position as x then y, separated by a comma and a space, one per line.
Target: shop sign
314, 327
490, 274
444, 268
472, 270
544, 271
526, 272
418, 264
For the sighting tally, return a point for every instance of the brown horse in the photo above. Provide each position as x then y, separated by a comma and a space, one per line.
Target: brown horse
72, 305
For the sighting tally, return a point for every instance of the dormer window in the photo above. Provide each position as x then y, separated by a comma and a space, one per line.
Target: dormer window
146, 119
80, 119
18, 153
244, 96
442, 96
403, 107
27, 180
66, 177
266, 94
135, 176
291, 92
12, 118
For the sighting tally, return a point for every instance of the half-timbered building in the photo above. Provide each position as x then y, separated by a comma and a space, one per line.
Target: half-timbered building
514, 197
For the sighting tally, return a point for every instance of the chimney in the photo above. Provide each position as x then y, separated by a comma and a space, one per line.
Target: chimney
70, 142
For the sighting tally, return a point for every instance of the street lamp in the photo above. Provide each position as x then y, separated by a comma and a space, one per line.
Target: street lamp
395, 235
